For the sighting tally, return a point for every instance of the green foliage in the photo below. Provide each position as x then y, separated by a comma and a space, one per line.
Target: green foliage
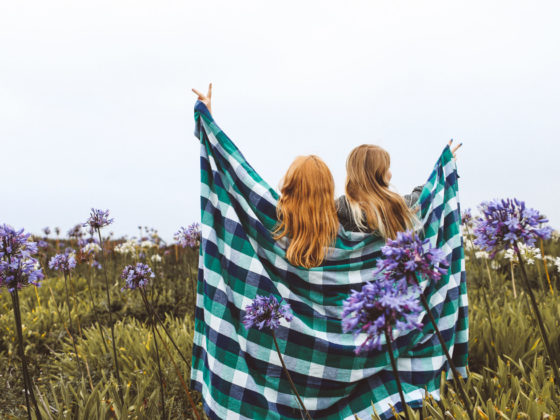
509, 376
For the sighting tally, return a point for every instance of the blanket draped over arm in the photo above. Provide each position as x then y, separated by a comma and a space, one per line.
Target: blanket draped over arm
238, 371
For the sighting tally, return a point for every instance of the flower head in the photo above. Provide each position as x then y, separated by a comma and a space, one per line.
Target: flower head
506, 223
76, 232
266, 312
98, 219
128, 247
136, 276
63, 262
466, 218
91, 248
47, 230
529, 254
188, 237
376, 309
17, 265
15, 242
407, 256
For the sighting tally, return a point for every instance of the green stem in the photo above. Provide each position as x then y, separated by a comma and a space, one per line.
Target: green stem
456, 375
537, 312
95, 312
80, 369
110, 311
289, 376
28, 385
152, 322
396, 372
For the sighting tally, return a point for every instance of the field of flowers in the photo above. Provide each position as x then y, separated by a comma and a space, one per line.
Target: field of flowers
110, 328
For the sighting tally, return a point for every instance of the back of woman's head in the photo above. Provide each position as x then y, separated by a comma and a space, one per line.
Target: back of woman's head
307, 211
372, 204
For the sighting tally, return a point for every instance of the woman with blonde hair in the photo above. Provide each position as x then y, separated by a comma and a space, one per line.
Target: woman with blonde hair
369, 204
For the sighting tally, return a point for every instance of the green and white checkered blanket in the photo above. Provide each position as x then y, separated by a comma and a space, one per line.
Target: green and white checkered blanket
238, 371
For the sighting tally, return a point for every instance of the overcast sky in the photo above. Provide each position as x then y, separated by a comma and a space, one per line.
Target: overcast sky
96, 108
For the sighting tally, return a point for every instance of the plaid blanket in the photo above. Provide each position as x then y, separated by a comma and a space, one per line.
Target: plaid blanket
238, 371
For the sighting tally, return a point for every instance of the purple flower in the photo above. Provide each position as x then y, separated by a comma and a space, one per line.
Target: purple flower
188, 237
98, 219
20, 272
407, 256
136, 276
266, 312
63, 262
96, 264
47, 231
18, 268
14, 243
377, 308
505, 223
467, 218
42, 244
76, 232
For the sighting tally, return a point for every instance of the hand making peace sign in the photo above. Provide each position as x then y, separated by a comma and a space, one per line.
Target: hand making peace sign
206, 100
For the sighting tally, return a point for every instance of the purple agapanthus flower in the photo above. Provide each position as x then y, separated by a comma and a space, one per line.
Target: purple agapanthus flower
20, 272
98, 219
506, 223
467, 218
266, 312
15, 242
63, 262
42, 244
47, 230
96, 264
18, 268
377, 308
188, 237
76, 232
136, 276
408, 256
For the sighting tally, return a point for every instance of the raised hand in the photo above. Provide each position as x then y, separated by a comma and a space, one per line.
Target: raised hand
206, 100
454, 150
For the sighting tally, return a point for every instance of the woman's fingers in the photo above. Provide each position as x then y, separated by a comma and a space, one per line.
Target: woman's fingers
454, 150
200, 95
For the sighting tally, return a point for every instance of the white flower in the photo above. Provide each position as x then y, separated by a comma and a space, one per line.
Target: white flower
494, 265
557, 263
128, 247
481, 255
529, 254
156, 258
147, 244
91, 247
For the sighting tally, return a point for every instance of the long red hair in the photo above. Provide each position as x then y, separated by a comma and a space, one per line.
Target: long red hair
307, 211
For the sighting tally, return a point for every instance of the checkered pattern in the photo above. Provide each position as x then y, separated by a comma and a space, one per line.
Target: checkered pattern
238, 371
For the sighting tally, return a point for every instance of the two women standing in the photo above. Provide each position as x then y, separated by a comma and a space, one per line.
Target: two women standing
309, 215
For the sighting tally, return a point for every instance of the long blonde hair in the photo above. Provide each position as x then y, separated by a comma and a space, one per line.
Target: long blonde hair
307, 211
372, 204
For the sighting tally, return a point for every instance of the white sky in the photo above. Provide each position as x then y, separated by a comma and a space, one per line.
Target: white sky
96, 109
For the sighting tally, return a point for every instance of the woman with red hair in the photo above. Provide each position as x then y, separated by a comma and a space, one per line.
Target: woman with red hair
306, 209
